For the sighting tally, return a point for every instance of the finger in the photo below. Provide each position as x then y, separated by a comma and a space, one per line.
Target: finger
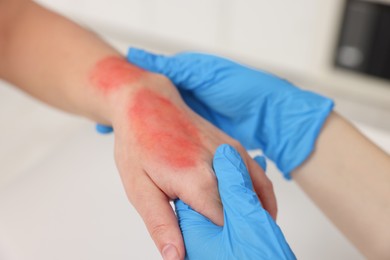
149, 61
195, 228
184, 70
261, 184
104, 129
203, 196
244, 213
234, 182
153, 206
263, 187
189, 219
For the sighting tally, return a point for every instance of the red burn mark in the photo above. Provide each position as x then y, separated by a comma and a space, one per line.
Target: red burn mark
112, 72
164, 131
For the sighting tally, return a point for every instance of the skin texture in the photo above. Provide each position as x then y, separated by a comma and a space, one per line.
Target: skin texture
171, 137
164, 130
348, 177
113, 72
70, 68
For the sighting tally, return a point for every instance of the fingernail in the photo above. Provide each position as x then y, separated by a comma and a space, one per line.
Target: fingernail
169, 252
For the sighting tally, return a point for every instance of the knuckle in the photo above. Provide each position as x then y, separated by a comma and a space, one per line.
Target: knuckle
237, 145
269, 186
204, 183
162, 79
266, 185
209, 182
157, 231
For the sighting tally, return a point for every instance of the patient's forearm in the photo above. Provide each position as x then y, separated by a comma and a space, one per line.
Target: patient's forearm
53, 59
348, 177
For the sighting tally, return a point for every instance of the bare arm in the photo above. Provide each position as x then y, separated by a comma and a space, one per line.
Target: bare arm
49, 57
348, 177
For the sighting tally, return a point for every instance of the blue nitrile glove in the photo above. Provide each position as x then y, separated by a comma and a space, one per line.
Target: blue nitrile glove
258, 109
103, 129
249, 232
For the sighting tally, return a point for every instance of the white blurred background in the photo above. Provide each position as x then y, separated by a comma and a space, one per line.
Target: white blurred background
60, 194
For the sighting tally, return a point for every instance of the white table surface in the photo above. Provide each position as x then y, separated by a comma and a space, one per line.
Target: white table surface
61, 196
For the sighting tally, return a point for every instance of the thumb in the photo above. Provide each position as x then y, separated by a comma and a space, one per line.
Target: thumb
234, 183
192, 223
149, 61
178, 68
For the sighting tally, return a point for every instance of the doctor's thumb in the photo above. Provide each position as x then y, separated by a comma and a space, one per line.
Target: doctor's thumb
149, 61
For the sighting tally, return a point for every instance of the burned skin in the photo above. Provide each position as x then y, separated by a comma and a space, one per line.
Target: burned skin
162, 130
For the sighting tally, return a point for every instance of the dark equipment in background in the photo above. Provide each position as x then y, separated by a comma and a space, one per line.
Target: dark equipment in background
364, 40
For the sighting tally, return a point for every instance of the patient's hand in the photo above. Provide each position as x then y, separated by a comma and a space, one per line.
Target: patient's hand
164, 151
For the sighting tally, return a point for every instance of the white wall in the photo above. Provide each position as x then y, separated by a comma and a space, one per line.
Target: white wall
277, 32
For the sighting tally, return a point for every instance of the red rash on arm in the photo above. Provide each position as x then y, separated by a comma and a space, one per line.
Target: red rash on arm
112, 72
164, 131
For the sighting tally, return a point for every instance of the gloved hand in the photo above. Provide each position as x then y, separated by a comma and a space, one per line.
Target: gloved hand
249, 232
256, 108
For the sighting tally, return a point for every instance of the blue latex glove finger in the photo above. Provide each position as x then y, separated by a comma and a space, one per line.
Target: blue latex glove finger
178, 70
104, 129
256, 108
249, 232
151, 62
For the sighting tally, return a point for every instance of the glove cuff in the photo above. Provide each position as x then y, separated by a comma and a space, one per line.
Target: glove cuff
294, 129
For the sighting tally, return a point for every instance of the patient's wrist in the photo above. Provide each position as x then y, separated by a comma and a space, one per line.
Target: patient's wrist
113, 80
